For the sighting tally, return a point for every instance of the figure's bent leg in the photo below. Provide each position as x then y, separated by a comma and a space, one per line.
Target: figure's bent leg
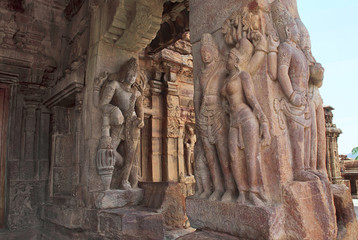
116, 140
214, 168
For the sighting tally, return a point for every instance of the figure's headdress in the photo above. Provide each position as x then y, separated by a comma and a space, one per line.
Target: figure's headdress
208, 40
281, 18
243, 51
131, 66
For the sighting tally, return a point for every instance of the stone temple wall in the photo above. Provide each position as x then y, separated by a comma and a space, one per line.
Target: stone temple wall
84, 75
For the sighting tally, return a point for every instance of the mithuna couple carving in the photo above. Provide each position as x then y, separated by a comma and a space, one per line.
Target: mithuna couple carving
231, 125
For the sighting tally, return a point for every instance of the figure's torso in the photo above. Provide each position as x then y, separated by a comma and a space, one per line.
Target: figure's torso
298, 70
211, 81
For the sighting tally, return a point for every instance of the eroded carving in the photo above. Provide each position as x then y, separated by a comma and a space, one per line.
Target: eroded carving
248, 123
212, 123
189, 142
123, 117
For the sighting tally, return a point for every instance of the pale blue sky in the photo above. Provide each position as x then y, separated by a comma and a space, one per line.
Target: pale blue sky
333, 26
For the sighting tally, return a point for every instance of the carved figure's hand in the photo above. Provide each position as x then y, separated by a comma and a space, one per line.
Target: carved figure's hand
259, 41
273, 43
298, 99
265, 134
100, 80
140, 123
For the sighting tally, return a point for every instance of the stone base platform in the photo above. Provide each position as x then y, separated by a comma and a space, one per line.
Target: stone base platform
120, 223
118, 198
130, 223
206, 235
243, 221
307, 211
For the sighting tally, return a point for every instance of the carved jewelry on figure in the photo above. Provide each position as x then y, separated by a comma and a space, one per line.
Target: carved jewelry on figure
212, 121
123, 117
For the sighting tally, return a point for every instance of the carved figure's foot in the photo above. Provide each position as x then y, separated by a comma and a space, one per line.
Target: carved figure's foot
197, 194
256, 199
125, 185
205, 195
305, 176
242, 200
229, 196
216, 196
322, 174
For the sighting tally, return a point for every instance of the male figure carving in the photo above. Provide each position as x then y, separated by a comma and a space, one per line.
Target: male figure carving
124, 104
211, 121
293, 75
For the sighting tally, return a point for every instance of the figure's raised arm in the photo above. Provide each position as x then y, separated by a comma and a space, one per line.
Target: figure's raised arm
260, 44
284, 59
272, 57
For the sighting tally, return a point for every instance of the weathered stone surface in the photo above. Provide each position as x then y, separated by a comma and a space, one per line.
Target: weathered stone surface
71, 218
243, 221
345, 214
310, 211
207, 235
168, 199
130, 222
119, 198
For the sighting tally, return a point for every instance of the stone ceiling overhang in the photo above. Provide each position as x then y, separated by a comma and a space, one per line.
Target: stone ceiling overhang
132, 25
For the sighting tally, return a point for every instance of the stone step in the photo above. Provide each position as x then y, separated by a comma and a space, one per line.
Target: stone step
134, 223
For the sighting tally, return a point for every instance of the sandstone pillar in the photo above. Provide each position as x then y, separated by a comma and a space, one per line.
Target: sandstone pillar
260, 124
332, 134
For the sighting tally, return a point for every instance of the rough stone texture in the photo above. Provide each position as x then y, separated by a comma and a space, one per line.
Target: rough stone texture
119, 198
332, 134
207, 235
346, 216
167, 199
130, 222
243, 221
310, 204
260, 122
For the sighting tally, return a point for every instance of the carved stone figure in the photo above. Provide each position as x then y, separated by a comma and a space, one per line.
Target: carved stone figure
248, 122
318, 138
189, 143
122, 107
212, 122
293, 75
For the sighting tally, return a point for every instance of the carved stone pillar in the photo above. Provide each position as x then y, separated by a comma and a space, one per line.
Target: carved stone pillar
172, 129
156, 88
332, 156
260, 125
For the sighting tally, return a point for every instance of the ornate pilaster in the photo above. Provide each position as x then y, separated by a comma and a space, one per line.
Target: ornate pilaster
332, 134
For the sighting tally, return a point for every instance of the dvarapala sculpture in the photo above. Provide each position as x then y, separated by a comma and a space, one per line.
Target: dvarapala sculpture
123, 117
